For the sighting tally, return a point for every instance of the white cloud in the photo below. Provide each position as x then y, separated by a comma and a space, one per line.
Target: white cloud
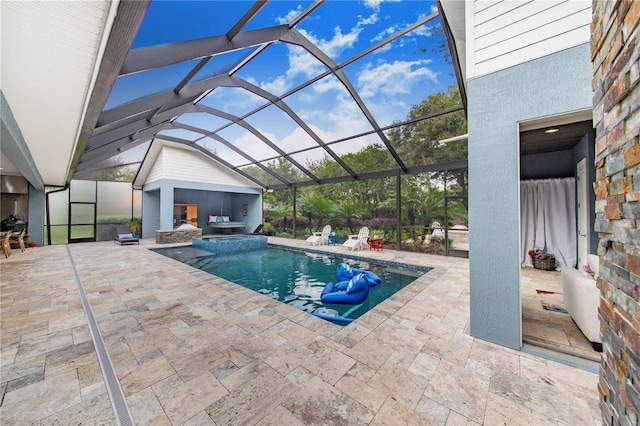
384, 48
375, 4
296, 140
354, 145
385, 33
393, 79
368, 21
424, 30
338, 43
337, 115
234, 100
327, 84
343, 118
253, 146
302, 62
289, 16
277, 86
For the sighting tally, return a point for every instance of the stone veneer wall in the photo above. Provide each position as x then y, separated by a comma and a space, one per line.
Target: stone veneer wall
615, 45
177, 236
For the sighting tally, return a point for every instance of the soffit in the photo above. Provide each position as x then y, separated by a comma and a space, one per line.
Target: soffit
538, 141
49, 53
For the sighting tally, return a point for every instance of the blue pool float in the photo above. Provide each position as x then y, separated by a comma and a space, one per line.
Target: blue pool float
341, 320
345, 272
350, 292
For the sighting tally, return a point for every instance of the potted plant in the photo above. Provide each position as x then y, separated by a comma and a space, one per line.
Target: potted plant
134, 224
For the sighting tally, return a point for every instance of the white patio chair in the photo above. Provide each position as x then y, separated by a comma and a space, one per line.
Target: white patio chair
437, 230
319, 238
358, 242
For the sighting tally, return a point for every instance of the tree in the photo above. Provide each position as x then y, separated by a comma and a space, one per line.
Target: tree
419, 140
114, 170
269, 199
283, 168
429, 204
283, 210
350, 210
314, 204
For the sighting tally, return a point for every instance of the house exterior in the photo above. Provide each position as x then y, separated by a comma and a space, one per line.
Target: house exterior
526, 66
174, 175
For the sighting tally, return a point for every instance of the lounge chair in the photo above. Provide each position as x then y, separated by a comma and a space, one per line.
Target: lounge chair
320, 238
5, 245
124, 235
358, 242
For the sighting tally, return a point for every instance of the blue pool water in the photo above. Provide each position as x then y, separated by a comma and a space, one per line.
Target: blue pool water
296, 277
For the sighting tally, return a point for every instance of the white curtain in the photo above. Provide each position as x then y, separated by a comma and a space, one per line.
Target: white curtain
548, 219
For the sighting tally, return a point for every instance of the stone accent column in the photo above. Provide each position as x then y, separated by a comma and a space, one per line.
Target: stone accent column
177, 236
615, 45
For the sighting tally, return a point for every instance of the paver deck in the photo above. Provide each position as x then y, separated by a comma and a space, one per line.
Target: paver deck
191, 348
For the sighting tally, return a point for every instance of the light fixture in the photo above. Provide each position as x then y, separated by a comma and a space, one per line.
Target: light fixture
554, 130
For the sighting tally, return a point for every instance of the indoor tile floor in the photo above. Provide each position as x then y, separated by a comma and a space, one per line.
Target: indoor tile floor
190, 348
549, 328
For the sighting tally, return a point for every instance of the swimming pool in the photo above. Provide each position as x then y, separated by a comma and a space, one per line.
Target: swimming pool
297, 277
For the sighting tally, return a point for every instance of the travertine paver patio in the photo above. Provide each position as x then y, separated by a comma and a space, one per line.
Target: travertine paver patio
190, 348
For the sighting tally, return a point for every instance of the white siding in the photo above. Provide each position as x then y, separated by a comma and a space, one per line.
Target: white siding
156, 171
191, 166
510, 32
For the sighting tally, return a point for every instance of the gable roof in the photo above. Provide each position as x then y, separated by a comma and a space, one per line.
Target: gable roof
170, 160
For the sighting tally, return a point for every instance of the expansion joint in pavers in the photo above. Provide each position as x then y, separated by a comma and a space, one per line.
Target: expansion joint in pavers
118, 401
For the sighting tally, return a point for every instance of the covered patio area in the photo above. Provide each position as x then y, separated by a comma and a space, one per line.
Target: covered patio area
186, 347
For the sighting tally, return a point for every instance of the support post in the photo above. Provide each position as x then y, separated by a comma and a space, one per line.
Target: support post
446, 219
398, 211
294, 210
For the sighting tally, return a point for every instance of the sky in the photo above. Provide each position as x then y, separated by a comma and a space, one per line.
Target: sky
388, 80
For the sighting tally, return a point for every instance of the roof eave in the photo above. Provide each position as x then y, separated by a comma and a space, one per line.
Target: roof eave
453, 22
122, 33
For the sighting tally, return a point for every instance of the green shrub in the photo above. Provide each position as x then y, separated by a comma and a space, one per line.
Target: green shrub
268, 229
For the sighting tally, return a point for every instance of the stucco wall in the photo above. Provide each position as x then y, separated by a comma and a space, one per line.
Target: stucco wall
550, 85
36, 215
150, 213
